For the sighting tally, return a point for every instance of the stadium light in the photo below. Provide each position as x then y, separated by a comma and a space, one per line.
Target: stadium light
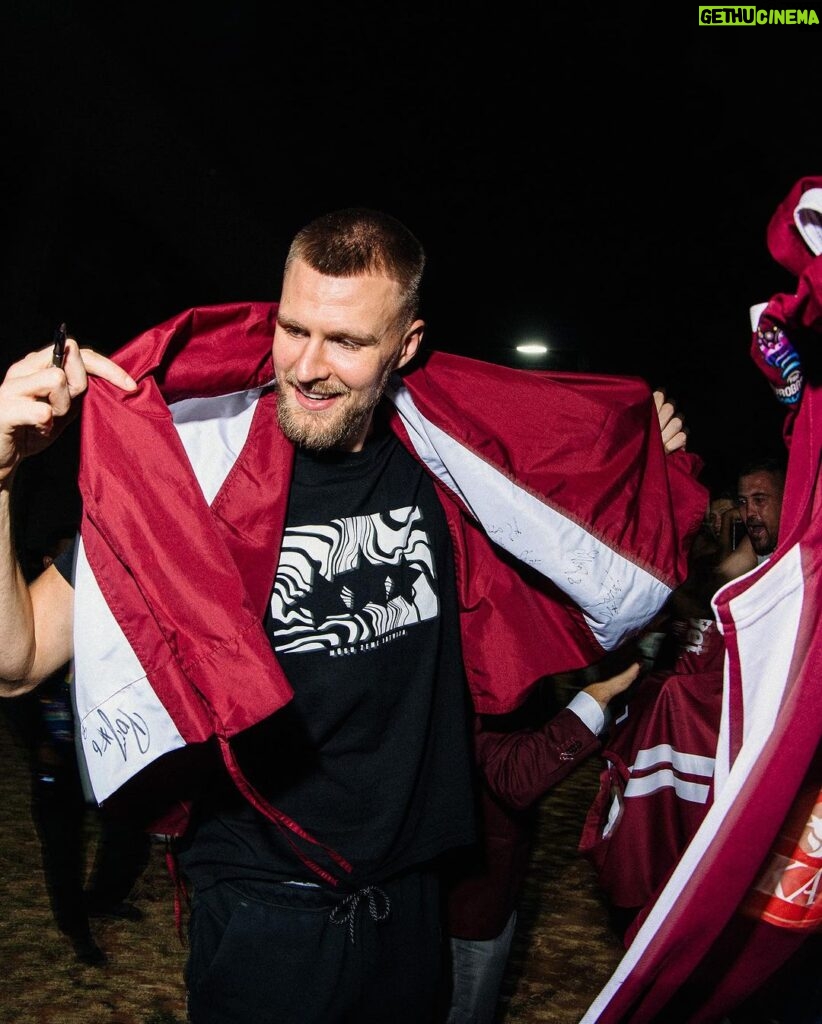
532, 348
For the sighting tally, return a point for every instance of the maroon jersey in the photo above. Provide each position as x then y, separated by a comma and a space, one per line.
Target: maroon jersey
657, 781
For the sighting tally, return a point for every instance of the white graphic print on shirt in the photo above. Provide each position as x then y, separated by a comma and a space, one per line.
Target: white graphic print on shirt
353, 584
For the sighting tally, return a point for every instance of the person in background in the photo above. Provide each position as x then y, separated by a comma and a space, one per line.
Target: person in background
759, 500
520, 757
735, 554
656, 784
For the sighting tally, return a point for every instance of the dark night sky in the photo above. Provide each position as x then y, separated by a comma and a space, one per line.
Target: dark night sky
574, 172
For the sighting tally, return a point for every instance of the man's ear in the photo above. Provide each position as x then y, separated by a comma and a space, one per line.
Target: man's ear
410, 343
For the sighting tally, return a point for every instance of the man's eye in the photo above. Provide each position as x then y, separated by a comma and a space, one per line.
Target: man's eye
292, 330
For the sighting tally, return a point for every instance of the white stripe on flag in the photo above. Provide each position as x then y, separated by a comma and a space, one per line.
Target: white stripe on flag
123, 725
616, 596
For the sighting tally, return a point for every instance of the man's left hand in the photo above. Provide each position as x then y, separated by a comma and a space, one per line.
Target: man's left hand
674, 435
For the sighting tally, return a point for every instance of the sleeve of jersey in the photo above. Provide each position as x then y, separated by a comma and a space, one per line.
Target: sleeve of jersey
522, 765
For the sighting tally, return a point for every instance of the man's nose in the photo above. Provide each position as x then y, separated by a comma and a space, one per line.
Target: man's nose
312, 364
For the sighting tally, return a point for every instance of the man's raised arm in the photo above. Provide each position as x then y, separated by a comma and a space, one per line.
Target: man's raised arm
37, 400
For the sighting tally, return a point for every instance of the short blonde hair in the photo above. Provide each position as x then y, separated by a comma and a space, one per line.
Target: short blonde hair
356, 241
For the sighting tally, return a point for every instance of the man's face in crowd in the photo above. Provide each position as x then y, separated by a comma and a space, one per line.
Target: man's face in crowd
760, 506
336, 344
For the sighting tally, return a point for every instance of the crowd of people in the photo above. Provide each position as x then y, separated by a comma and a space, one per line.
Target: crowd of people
319, 593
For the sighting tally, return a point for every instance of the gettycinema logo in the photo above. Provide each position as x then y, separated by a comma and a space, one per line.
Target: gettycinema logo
755, 16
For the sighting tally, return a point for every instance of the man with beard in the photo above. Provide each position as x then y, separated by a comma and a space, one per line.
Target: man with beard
759, 500
370, 541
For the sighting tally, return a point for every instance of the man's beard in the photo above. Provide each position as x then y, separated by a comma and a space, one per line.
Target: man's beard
761, 538
763, 546
344, 427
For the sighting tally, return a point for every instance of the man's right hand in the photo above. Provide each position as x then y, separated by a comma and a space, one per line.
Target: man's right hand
605, 691
37, 399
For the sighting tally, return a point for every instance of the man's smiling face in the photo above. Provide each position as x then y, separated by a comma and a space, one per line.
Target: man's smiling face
336, 344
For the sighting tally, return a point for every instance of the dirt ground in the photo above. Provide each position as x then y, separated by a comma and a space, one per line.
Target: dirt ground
564, 950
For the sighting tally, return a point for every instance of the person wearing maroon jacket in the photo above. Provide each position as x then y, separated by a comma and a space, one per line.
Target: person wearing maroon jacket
519, 758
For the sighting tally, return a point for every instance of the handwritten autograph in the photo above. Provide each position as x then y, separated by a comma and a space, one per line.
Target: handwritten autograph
111, 734
511, 530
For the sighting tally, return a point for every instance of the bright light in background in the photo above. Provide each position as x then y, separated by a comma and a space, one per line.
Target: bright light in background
532, 348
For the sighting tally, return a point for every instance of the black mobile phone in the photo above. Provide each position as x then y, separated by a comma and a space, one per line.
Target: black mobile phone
58, 353
737, 533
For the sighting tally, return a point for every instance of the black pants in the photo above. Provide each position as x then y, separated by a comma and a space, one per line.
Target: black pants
270, 953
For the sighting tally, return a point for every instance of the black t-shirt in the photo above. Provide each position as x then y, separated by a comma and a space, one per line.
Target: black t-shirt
372, 755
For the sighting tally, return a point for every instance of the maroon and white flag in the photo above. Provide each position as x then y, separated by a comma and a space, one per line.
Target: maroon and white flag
568, 520
747, 891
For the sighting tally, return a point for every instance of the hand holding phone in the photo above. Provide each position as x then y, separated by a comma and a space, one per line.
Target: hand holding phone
738, 533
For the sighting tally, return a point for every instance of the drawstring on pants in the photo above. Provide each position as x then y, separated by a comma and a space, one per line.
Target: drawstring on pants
346, 910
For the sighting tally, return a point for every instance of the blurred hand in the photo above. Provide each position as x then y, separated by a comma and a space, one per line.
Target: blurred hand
720, 515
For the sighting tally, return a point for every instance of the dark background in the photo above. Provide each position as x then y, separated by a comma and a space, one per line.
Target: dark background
599, 177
